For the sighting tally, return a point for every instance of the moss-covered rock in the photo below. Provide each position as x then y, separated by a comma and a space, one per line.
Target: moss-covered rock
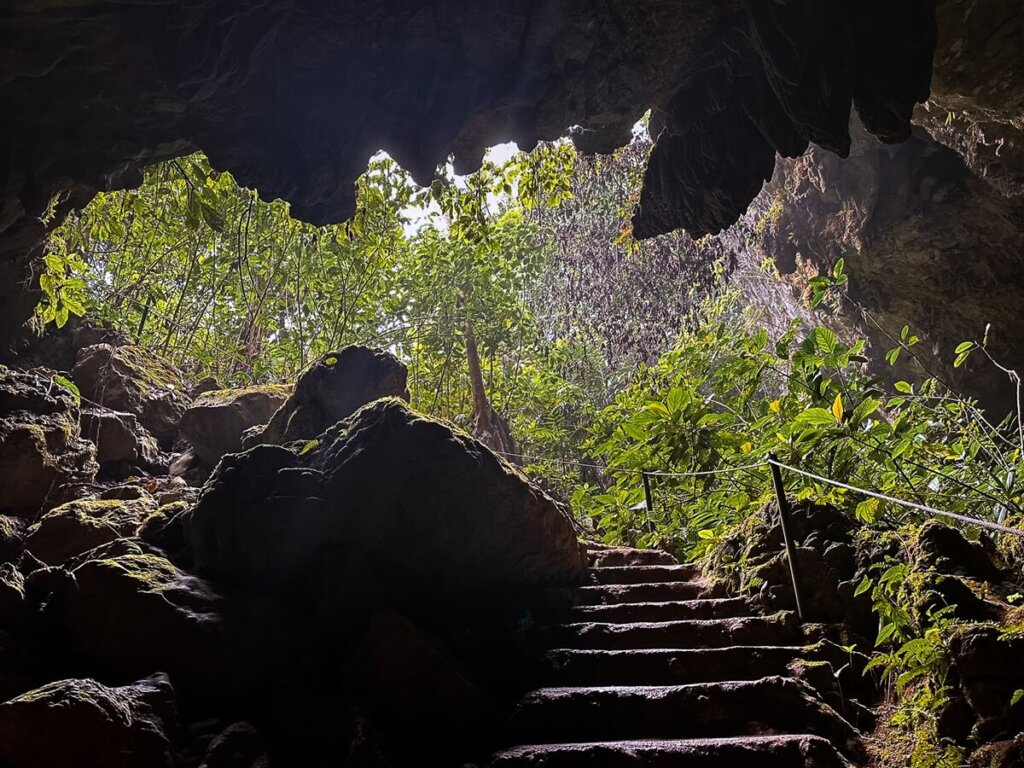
216, 420
79, 526
136, 381
387, 500
12, 534
331, 389
84, 723
42, 455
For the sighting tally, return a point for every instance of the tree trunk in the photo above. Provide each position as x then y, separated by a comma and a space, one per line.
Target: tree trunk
489, 426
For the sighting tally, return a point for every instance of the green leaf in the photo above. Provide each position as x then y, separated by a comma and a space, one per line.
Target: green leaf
885, 633
329, 361
963, 346
867, 407
825, 340
904, 387
816, 417
309, 446
1016, 697
864, 586
70, 386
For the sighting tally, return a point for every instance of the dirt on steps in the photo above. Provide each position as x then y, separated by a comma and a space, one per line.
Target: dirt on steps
649, 665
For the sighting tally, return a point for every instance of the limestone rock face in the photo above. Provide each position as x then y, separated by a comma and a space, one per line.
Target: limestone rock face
136, 381
84, 723
388, 497
332, 389
917, 231
41, 451
977, 100
215, 421
78, 526
119, 438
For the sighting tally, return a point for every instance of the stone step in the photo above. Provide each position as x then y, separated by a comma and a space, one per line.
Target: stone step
780, 629
575, 667
622, 613
800, 751
643, 574
640, 593
768, 705
618, 556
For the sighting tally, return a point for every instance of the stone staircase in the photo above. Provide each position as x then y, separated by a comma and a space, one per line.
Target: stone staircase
649, 666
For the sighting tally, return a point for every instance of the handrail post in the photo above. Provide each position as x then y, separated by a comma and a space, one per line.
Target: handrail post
784, 520
648, 500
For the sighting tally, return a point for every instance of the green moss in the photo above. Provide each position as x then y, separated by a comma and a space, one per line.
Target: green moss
153, 571
222, 396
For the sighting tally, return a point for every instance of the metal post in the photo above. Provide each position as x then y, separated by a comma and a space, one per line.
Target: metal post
648, 500
784, 519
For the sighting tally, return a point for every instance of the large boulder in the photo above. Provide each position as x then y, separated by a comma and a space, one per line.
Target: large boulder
42, 454
331, 389
215, 421
387, 499
124, 613
133, 380
88, 725
119, 438
78, 526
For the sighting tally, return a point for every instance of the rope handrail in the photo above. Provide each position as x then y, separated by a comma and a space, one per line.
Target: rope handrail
903, 502
775, 462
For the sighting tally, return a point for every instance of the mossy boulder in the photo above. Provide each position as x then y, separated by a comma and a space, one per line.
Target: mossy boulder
133, 380
78, 526
331, 389
84, 723
124, 611
42, 455
387, 502
213, 425
126, 614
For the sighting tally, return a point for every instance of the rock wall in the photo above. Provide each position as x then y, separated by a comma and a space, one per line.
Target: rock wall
925, 242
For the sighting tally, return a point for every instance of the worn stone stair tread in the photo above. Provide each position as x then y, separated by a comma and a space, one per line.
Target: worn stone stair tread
621, 556
640, 593
667, 666
786, 751
645, 574
663, 610
771, 704
779, 629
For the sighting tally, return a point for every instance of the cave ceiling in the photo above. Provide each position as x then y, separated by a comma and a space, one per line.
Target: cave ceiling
293, 96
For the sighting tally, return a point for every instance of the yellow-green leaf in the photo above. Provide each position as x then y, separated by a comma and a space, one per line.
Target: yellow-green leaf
775, 406
837, 408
